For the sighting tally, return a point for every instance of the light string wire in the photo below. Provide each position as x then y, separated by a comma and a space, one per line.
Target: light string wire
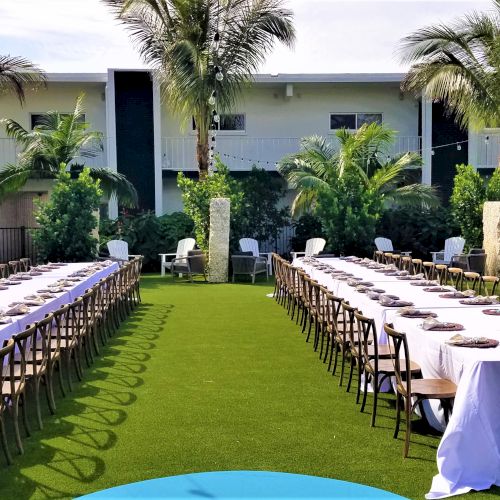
458, 145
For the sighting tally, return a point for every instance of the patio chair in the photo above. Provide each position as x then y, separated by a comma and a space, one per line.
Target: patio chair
183, 247
246, 263
452, 248
193, 264
385, 245
118, 251
313, 247
474, 261
411, 392
251, 245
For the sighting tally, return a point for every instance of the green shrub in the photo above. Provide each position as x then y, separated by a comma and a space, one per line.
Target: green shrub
147, 234
416, 230
259, 216
469, 194
67, 220
306, 227
493, 188
349, 214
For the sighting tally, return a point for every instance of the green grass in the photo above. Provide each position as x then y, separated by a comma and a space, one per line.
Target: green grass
212, 377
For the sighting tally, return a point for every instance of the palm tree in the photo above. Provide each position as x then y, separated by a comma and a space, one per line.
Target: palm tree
204, 49
16, 73
319, 166
58, 139
459, 65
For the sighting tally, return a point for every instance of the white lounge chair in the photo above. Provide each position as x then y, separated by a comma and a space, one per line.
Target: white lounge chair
385, 245
118, 250
183, 247
452, 248
313, 247
251, 245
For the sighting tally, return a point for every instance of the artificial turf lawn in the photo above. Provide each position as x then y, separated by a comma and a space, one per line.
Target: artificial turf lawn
212, 377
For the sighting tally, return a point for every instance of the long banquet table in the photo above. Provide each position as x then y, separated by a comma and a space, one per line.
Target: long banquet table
468, 456
18, 292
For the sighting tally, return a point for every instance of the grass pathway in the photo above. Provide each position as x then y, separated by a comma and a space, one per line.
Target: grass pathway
212, 377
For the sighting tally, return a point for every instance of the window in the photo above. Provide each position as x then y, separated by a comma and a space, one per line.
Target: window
353, 121
229, 122
36, 119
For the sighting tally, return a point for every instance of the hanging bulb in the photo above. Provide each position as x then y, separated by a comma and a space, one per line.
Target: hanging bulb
211, 99
219, 76
459, 147
216, 118
433, 152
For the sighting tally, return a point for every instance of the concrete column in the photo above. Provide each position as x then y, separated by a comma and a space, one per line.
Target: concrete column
491, 230
426, 140
157, 148
218, 243
111, 136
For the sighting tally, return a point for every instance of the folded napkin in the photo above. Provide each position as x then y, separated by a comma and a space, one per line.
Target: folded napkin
480, 299
462, 339
4, 320
354, 281
17, 310
373, 295
434, 324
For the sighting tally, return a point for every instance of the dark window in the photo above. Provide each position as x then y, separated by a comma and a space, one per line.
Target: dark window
36, 119
353, 121
342, 121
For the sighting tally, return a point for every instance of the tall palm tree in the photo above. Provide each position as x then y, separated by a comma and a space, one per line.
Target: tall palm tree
58, 139
204, 49
16, 73
459, 64
319, 165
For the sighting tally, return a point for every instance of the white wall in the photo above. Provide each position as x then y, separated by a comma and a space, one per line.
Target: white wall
270, 114
172, 199
60, 97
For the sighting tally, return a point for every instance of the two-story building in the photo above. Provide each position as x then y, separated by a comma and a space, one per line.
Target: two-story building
145, 141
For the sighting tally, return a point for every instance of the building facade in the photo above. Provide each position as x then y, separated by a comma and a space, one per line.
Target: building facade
146, 142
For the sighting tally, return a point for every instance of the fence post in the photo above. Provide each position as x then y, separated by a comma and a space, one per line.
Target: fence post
23, 241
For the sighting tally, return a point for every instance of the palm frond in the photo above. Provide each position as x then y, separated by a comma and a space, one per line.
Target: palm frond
16, 73
414, 195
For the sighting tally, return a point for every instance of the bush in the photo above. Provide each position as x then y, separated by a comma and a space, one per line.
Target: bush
68, 219
416, 230
306, 227
196, 196
493, 188
469, 194
349, 214
259, 217
147, 234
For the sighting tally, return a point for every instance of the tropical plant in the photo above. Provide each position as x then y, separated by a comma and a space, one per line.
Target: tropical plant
493, 187
319, 166
458, 63
196, 196
204, 50
67, 220
306, 226
147, 234
467, 199
56, 140
16, 73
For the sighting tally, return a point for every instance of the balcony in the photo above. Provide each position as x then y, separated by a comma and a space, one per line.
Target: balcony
241, 153
9, 151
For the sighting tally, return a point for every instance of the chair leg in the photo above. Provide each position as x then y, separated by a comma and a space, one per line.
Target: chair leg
398, 414
17, 434
365, 392
408, 427
351, 371
375, 400
37, 401
342, 367
360, 371
61, 382
5, 445
25, 415
49, 390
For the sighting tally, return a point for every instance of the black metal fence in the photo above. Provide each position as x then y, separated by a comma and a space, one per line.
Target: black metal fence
15, 243
281, 243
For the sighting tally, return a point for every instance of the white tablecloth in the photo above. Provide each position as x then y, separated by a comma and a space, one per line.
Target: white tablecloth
18, 292
468, 456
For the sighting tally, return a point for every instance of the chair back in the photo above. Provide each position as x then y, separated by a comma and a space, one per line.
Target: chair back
118, 249
350, 326
197, 261
384, 244
314, 246
250, 245
368, 334
7, 372
398, 342
184, 246
453, 246
477, 261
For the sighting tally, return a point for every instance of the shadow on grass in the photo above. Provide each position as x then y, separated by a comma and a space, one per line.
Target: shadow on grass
70, 444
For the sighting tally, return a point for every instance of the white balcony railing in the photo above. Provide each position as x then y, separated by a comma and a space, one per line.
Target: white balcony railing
241, 153
9, 151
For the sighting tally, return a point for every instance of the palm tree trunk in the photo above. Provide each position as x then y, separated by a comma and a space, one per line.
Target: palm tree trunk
202, 154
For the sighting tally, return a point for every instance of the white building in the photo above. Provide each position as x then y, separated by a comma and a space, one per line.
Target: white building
145, 141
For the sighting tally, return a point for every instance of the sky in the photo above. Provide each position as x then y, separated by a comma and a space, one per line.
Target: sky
333, 36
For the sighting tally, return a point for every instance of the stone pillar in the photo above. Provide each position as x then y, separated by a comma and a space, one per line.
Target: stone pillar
491, 229
218, 243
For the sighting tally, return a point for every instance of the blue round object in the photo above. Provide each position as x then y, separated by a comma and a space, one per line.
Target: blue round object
242, 484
